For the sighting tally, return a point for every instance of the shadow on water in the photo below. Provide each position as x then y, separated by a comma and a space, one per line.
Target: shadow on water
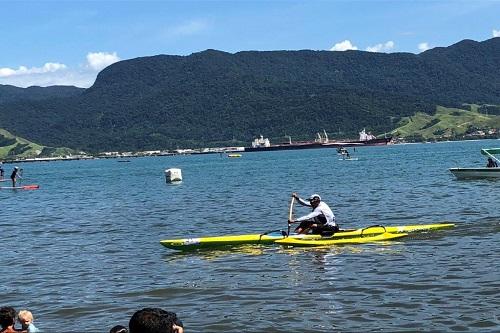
216, 253
222, 252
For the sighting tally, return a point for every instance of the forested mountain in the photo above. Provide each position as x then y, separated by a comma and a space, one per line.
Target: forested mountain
12, 94
214, 98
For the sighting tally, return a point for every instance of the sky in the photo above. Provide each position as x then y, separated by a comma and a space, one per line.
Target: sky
46, 43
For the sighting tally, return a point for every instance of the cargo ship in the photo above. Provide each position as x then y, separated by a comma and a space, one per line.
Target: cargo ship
365, 139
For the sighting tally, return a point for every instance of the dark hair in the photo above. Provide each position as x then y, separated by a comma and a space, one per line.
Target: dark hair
7, 316
153, 320
118, 329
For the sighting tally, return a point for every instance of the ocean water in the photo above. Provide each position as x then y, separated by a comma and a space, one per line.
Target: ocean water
83, 252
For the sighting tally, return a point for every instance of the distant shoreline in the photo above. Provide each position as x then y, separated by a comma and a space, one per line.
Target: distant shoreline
202, 151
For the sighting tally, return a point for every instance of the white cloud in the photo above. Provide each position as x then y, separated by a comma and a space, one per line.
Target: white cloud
343, 46
78, 78
100, 60
53, 73
423, 46
189, 28
49, 67
496, 33
381, 47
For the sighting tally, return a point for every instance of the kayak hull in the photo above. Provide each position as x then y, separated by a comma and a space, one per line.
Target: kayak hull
386, 236
232, 240
204, 242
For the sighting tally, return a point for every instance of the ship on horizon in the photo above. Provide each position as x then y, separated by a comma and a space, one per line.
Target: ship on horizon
365, 139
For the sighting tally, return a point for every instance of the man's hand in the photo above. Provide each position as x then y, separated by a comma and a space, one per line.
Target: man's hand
295, 195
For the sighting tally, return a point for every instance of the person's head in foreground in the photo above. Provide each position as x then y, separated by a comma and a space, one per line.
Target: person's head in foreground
155, 320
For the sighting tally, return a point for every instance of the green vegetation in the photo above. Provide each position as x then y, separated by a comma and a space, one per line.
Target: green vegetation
215, 98
13, 147
448, 124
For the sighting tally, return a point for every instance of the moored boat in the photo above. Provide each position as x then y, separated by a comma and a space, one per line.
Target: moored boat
491, 172
263, 144
475, 173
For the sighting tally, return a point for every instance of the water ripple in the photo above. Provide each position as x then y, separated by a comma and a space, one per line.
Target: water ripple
85, 247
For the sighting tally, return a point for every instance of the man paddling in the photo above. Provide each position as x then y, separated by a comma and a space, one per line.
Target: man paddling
320, 221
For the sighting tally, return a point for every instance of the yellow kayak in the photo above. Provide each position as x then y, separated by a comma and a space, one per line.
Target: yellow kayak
269, 238
350, 240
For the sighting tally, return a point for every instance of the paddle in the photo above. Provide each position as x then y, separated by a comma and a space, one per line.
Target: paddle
20, 176
290, 214
290, 217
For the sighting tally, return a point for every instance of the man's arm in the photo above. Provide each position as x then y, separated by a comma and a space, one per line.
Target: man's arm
300, 200
309, 216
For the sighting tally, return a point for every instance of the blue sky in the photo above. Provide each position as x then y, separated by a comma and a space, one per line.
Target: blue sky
68, 42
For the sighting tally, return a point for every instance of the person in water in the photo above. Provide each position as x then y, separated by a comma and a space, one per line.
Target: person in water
26, 319
15, 174
491, 163
320, 221
2, 171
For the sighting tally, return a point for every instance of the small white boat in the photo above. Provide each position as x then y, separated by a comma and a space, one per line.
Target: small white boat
345, 155
483, 172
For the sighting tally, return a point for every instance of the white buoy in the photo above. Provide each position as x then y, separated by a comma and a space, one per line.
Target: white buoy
173, 175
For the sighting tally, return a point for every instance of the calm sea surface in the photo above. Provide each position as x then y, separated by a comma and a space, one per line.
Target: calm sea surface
83, 252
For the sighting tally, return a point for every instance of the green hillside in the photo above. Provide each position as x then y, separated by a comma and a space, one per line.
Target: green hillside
448, 123
13, 147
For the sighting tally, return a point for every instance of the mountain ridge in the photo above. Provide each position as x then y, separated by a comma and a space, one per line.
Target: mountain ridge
213, 97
